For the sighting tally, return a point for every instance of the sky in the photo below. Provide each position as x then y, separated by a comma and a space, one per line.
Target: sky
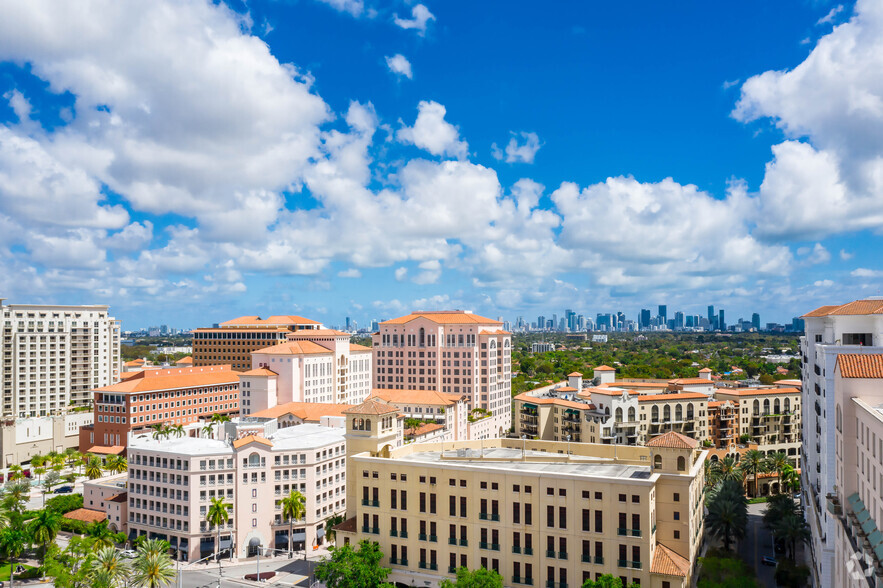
187, 162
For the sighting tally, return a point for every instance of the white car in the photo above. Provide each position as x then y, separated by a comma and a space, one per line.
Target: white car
130, 553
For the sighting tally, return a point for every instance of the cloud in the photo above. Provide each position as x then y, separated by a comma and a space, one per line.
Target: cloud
827, 178
823, 283
401, 273
399, 65
433, 133
815, 255
866, 273
354, 7
832, 14
350, 273
846, 255
518, 152
430, 274
420, 16
729, 84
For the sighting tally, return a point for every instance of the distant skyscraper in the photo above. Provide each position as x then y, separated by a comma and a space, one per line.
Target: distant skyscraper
663, 313
541, 322
375, 326
690, 322
721, 323
711, 315
679, 320
645, 318
755, 321
348, 323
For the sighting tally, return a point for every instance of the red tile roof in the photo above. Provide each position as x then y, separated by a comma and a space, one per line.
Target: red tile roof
86, 515
274, 320
295, 348
854, 365
857, 307
431, 397
173, 379
251, 439
444, 317
674, 440
309, 412
373, 406
669, 563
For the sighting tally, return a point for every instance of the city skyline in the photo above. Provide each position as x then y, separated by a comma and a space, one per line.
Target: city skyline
351, 158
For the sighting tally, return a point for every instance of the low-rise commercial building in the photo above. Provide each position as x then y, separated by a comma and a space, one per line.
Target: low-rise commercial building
22, 438
251, 464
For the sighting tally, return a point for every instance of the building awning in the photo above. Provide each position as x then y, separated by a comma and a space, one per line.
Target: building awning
320, 533
528, 405
869, 526
207, 541
226, 542
300, 535
173, 542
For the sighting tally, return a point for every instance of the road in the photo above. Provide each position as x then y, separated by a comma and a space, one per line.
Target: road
758, 543
288, 573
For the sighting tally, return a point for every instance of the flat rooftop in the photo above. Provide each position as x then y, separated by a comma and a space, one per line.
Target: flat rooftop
306, 436
297, 438
509, 459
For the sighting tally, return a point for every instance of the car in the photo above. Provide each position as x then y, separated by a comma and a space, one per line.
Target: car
130, 553
64, 489
770, 561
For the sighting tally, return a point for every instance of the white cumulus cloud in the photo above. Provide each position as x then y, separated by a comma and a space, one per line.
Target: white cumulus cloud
433, 133
518, 152
399, 65
420, 16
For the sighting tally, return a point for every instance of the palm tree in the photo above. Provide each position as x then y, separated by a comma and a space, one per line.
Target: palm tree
218, 514
109, 566
727, 515
154, 545
219, 418
208, 429
152, 570
39, 471
330, 523
71, 456
44, 528
790, 478
776, 463
159, 430
15, 494
101, 534
177, 430
792, 529
15, 472
94, 468
726, 469
753, 461
38, 460
115, 464
57, 459
13, 541
294, 508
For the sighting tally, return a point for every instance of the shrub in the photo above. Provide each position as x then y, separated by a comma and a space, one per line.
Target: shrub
65, 503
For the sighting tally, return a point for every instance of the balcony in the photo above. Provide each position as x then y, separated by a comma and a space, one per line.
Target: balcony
488, 517
366, 502
628, 532
452, 540
550, 553
624, 563
552, 584
599, 560
833, 503
421, 536
372, 530
520, 580
562, 555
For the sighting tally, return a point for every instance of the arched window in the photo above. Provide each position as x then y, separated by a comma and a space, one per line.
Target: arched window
654, 414
666, 413
254, 460
422, 340
355, 424
632, 414
607, 410
367, 424
755, 408
690, 411
766, 405
682, 464
839, 419
657, 462
619, 415
787, 405
776, 406
679, 413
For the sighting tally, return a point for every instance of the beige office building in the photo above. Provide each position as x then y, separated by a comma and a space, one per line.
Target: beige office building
538, 512
54, 356
772, 417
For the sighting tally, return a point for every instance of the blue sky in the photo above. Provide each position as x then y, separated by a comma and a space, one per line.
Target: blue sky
187, 161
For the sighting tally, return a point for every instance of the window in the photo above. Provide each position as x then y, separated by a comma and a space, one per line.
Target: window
677, 516
550, 492
550, 516
622, 497
677, 497
677, 534
598, 496
586, 494
636, 499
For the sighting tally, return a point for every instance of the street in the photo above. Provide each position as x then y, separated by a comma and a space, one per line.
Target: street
295, 572
758, 543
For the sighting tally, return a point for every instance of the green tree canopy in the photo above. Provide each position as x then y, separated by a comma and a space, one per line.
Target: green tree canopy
480, 578
354, 568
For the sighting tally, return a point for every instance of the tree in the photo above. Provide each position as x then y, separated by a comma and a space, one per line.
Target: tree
480, 578
94, 469
43, 529
727, 515
177, 430
116, 464
101, 534
154, 545
790, 478
726, 469
792, 529
152, 570
752, 462
39, 471
159, 431
71, 456
13, 541
52, 479
37, 460
16, 495
217, 516
220, 418
607, 581
15, 472
208, 429
351, 568
293, 508
412, 423
330, 523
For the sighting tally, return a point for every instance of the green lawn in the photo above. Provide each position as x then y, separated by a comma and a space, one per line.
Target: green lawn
30, 572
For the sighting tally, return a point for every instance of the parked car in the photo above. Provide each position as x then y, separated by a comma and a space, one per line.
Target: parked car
130, 553
64, 489
770, 561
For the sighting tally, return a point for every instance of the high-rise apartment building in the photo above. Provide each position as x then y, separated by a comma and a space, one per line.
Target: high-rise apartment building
456, 352
843, 444
755, 321
721, 323
54, 356
663, 313
645, 318
232, 342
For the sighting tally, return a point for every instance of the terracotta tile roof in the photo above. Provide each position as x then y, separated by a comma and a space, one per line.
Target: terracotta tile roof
573, 374
691, 382
854, 365
372, 406
105, 450
674, 440
185, 361
276, 319
857, 307
627, 384
295, 348
669, 563
605, 368
755, 391
566, 389
86, 515
705, 371
444, 317
134, 363
173, 379
309, 412
307, 333
431, 397
251, 439
524, 397
348, 526
259, 372
356, 348
672, 397
424, 429
121, 497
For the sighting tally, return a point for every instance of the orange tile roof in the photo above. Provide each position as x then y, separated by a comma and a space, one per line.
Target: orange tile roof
755, 391
309, 412
276, 319
174, 379
348, 526
121, 497
356, 348
106, 450
295, 348
86, 515
259, 372
668, 563
444, 317
604, 368
627, 384
307, 333
431, 397
134, 363
674, 440
424, 429
854, 365
691, 381
566, 389
524, 397
705, 371
185, 360
573, 374
856, 307
675, 396
373, 406
251, 439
